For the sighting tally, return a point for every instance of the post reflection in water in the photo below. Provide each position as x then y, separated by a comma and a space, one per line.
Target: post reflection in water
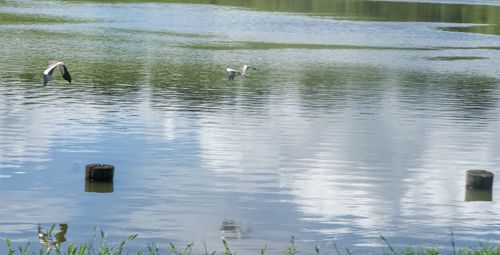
98, 187
49, 241
478, 195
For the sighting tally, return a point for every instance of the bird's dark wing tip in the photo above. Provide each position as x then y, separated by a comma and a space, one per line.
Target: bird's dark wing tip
66, 75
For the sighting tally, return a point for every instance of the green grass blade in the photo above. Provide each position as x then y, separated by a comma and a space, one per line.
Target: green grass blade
187, 250
389, 245
173, 249
23, 250
263, 250
227, 251
132, 237
10, 251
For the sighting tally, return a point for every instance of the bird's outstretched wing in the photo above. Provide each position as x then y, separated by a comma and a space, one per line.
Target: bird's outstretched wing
245, 68
47, 76
64, 72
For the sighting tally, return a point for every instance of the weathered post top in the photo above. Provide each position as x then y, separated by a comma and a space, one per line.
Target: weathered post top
99, 172
479, 179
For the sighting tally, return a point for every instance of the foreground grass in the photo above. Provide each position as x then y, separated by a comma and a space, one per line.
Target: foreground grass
98, 246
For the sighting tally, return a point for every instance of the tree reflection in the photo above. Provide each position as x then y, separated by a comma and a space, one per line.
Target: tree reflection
370, 10
461, 96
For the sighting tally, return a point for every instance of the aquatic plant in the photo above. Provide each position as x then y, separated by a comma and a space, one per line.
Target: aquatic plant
99, 246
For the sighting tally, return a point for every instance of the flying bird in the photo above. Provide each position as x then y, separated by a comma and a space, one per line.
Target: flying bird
231, 73
47, 74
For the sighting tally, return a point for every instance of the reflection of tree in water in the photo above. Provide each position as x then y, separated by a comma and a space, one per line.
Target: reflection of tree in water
388, 11
199, 87
330, 87
371, 10
463, 96
493, 29
117, 78
473, 95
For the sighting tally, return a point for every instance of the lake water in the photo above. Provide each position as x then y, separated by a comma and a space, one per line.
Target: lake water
360, 121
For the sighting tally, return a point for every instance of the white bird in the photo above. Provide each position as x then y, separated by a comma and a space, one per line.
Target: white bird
47, 74
231, 73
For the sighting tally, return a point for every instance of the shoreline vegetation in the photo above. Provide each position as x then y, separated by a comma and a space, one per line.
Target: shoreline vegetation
52, 244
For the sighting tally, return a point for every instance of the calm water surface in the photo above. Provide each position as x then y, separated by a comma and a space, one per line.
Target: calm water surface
361, 121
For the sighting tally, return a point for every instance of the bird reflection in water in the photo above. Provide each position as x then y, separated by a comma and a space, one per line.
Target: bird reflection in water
49, 241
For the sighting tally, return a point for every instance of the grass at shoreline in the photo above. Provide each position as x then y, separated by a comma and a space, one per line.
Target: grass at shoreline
50, 244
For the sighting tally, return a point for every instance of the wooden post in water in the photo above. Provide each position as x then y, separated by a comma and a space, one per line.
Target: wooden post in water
99, 172
478, 186
479, 179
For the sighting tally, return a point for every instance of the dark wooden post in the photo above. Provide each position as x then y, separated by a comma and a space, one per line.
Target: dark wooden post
99, 172
479, 179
